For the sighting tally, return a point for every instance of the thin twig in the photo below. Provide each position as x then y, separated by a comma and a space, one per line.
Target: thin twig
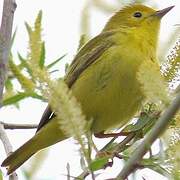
9, 7
154, 133
7, 146
19, 126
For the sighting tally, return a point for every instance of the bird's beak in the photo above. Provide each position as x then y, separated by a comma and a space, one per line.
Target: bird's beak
162, 12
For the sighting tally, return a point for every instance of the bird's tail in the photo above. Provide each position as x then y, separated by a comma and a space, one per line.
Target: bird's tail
46, 136
18, 157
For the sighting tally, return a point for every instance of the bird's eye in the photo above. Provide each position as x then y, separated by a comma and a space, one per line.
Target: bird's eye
137, 14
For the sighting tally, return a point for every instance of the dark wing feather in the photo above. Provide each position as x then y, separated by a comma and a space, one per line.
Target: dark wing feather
47, 115
87, 55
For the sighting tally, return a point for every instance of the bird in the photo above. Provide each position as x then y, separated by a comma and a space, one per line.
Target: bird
102, 77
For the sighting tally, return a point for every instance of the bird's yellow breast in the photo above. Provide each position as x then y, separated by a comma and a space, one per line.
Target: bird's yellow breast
108, 90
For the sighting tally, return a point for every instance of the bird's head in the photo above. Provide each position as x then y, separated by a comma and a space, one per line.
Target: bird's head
136, 16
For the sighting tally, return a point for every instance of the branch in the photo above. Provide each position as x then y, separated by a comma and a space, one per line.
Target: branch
9, 7
7, 147
19, 126
155, 132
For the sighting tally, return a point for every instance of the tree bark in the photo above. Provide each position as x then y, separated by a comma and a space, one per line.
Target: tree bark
9, 7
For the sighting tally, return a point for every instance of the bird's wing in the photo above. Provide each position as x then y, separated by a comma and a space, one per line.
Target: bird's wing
87, 55
46, 117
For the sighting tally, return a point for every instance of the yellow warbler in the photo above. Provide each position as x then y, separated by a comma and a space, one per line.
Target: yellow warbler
103, 78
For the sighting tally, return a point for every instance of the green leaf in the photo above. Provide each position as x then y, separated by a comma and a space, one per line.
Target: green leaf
98, 163
42, 56
110, 146
155, 166
15, 99
37, 96
28, 28
55, 62
143, 121
13, 37
20, 96
24, 64
1, 176
129, 128
8, 85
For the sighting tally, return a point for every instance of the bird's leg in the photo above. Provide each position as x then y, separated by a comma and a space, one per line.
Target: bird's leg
104, 152
107, 135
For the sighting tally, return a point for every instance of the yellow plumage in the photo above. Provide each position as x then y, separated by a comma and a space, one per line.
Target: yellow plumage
103, 77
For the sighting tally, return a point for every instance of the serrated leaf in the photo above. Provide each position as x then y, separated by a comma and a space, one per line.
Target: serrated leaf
98, 163
20, 96
55, 62
42, 56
